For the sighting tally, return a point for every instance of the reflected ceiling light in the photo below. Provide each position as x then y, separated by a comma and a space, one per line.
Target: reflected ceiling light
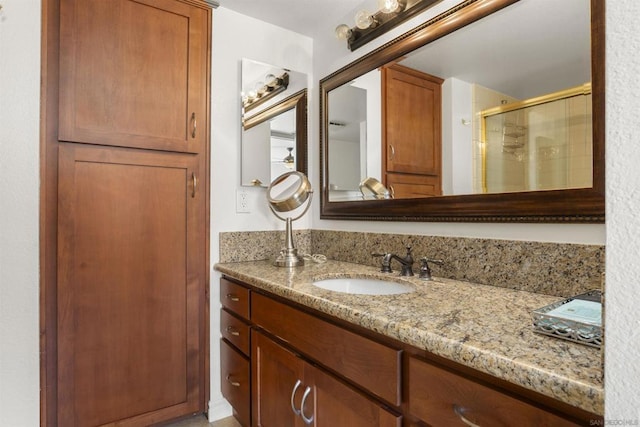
289, 160
390, 14
264, 90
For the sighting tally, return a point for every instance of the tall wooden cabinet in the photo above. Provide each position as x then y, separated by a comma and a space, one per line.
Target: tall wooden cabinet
125, 202
411, 132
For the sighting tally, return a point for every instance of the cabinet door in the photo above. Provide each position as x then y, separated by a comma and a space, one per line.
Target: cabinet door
336, 404
276, 383
411, 121
287, 391
134, 73
130, 296
236, 387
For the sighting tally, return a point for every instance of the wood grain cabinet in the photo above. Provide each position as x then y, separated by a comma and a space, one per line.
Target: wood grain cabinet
134, 73
289, 391
125, 257
130, 280
441, 397
411, 132
235, 365
309, 369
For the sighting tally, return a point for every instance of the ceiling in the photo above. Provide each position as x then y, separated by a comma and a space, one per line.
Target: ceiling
308, 17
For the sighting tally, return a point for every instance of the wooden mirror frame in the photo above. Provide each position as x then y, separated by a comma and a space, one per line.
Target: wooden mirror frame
584, 205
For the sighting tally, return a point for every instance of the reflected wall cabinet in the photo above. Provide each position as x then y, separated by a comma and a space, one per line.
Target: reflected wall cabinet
411, 132
125, 283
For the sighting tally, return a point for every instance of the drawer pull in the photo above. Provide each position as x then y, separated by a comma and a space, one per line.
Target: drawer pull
459, 412
233, 331
293, 395
306, 420
233, 297
233, 383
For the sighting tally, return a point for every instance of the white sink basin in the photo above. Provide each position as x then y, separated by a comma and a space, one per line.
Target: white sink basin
364, 286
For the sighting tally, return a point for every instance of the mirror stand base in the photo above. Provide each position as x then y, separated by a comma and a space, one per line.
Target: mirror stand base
289, 258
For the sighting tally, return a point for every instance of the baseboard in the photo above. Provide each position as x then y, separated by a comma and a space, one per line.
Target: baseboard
219, 409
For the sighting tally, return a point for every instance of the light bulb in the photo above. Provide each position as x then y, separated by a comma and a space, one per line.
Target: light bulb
343, 32
364, 20
270, 80
261, 88
389, 6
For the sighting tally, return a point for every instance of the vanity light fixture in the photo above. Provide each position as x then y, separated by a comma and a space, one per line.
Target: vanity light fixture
271, 86
390, 14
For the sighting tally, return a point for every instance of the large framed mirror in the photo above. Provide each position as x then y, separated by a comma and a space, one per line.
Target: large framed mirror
492, 111
274, 122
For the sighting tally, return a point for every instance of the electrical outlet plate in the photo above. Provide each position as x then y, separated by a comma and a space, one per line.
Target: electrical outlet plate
242, 201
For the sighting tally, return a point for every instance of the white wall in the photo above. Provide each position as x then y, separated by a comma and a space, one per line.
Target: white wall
622, 318
19, 186
19, 159
237, 36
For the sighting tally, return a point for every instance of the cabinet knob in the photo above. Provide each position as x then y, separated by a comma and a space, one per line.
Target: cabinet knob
460, 413
306, 420
233, 383
233, 297
293, 395
232, 331
193, 125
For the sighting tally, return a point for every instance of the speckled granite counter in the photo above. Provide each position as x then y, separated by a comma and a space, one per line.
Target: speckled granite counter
487, 328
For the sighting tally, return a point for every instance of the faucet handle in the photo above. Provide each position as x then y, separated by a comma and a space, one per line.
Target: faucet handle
386, 261
425, 270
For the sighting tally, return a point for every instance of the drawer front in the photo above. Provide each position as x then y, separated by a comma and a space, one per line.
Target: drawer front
372, 365
235, 297
235, 331
442, 398
236, 388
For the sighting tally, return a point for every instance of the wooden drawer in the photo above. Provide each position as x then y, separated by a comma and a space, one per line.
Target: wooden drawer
442, 398
235, 297
235, 331
372, 365
235, 373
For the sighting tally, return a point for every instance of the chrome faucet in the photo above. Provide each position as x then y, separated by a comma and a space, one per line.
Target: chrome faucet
406, 262
425, 271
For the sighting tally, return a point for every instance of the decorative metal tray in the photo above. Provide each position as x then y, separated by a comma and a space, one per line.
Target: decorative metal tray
577, 319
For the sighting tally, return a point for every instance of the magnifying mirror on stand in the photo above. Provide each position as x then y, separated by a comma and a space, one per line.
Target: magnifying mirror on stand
286, 193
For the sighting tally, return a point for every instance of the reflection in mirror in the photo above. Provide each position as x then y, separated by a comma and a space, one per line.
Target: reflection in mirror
274, 122
433, 142
497, 102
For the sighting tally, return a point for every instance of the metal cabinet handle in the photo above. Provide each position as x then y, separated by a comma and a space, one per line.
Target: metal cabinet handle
195, 183
193, 125
459, 412
233, 297
393, 151
293, 395
392, 191
233, 383
306, 420
232, 331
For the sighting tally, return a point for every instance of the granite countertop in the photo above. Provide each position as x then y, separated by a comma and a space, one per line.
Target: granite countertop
484, 327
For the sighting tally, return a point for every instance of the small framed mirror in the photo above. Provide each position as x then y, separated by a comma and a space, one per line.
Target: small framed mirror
274, 122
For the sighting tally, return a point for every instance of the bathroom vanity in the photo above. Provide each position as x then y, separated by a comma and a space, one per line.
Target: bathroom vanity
448, 353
